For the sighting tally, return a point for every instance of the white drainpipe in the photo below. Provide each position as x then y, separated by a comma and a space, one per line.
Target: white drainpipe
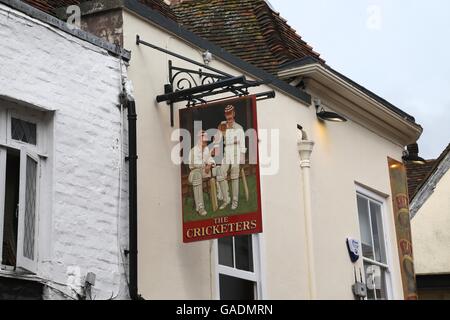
305, 148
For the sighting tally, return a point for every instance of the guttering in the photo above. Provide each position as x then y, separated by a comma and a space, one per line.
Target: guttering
305, 149
132, 233
170, 26
366, 105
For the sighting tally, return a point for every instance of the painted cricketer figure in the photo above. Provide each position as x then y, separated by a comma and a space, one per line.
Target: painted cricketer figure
200, 164
234, 155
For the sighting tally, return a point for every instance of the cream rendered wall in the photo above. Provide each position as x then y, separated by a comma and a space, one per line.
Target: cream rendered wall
430, 231
344, 153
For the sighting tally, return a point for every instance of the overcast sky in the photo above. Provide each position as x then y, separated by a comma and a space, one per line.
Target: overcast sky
398, 49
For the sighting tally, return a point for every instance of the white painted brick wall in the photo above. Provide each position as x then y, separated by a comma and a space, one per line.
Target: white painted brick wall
52, 70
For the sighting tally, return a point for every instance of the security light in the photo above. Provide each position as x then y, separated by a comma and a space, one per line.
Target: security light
327, 115
411, 155
413, 158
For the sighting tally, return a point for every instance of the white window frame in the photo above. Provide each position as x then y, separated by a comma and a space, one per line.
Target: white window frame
22, 261
32, 117
255, 276
25, 150
382, 201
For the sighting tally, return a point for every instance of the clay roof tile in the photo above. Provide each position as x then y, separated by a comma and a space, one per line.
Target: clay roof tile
249, 29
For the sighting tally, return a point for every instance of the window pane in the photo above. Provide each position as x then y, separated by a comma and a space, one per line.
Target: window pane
382, 291
376, 282
226, 252
377, 228
364, 225
23, 131
244, 253
30, 209
10, 221
236, 289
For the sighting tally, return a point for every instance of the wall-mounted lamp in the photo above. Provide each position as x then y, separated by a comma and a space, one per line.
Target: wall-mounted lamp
327, 115
411, 154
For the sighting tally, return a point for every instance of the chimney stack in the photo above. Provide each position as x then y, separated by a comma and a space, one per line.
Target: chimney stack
413, 149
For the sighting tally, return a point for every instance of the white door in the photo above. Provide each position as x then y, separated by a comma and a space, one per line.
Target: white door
28, 204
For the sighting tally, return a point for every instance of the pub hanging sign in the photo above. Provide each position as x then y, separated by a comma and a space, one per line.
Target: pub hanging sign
220, 170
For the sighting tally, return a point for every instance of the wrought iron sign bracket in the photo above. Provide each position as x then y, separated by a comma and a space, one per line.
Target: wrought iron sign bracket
196, 85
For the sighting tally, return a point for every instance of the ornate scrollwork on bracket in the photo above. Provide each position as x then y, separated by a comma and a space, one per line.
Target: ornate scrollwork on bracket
197, 86
183, 79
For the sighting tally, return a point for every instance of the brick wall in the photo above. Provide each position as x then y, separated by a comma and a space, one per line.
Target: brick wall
79, 83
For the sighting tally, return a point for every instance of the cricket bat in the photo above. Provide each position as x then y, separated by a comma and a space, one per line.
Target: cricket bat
213, 194
244, 182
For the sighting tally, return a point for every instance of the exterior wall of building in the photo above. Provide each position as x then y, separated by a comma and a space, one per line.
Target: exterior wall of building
75, 86
430, 231
344, 154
